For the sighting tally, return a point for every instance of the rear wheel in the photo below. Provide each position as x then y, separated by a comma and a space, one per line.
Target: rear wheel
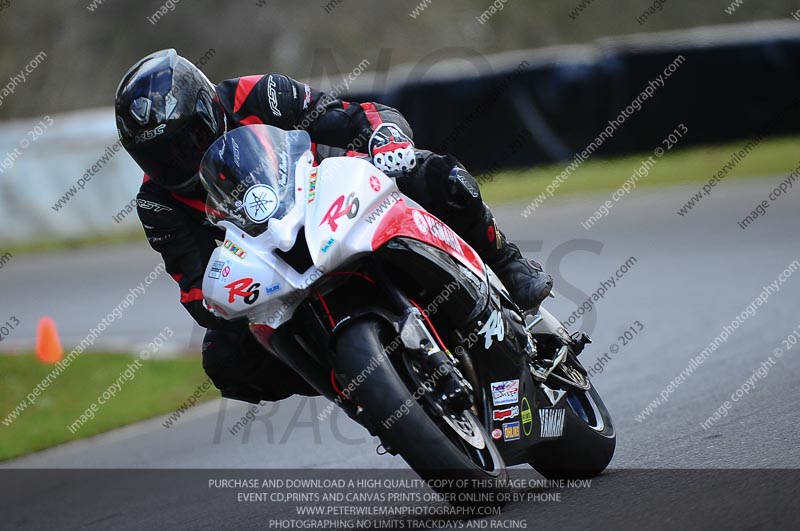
435, 442
588, 441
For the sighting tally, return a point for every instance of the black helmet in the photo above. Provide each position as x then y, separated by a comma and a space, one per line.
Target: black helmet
167, 118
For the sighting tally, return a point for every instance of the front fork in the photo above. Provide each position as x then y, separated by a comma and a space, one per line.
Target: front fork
452, 389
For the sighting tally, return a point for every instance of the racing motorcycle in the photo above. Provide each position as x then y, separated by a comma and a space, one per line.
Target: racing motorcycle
386, 311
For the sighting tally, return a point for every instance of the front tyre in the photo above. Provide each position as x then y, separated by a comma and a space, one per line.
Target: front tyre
457, 449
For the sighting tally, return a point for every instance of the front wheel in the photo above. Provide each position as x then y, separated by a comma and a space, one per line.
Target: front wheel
437, 446
587, 443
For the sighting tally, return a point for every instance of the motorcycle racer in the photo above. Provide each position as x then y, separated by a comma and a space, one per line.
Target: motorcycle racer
168, 113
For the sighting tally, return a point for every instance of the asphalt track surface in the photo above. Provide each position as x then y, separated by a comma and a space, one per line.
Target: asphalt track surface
692, 276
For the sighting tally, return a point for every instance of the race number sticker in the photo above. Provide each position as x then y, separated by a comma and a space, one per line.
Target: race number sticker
494, 327
506, 392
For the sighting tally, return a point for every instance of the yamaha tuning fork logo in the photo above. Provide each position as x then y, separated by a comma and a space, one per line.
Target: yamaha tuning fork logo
260, 202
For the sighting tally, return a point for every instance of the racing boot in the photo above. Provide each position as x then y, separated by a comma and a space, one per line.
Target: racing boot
526, 281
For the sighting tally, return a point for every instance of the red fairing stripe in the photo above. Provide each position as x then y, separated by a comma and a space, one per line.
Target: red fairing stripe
402, 220
177, 276
146, 178
243, 89
194, 294
372, 114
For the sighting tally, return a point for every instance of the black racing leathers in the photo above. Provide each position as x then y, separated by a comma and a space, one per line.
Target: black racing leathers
176, 226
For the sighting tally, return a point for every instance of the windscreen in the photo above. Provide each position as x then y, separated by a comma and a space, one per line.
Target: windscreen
249, 175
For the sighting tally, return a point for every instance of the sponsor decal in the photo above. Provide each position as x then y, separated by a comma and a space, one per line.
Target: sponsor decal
260, 202
504, 393
375, 183
272, 289
341, 207
244, 288
552, 422
312, 186
511, 431
232, 247
149, 205
497, 434
429, 224
327, 245
272, 95
150, 134
420, 221
503, 414
216, 269
226, 271
494, 327
527, 417
307, 96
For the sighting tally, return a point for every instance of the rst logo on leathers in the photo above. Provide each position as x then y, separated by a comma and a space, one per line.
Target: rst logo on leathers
244, 288
149, 205
272, 95
340, 208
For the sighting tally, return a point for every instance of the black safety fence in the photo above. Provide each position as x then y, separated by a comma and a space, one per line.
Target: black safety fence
610, 98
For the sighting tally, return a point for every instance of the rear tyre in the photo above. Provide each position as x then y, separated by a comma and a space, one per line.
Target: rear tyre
436, 449
587, 444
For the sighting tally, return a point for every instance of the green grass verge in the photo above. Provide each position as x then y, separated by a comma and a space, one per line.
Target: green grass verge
695, 165
158, 387
47, 244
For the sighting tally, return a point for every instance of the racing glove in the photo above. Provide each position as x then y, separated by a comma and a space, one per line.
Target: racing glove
392, 151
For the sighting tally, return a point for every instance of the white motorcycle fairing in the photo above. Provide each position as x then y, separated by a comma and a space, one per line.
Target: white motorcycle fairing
345, 207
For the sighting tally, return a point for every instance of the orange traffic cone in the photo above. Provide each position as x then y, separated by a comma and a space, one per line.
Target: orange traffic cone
48, 346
